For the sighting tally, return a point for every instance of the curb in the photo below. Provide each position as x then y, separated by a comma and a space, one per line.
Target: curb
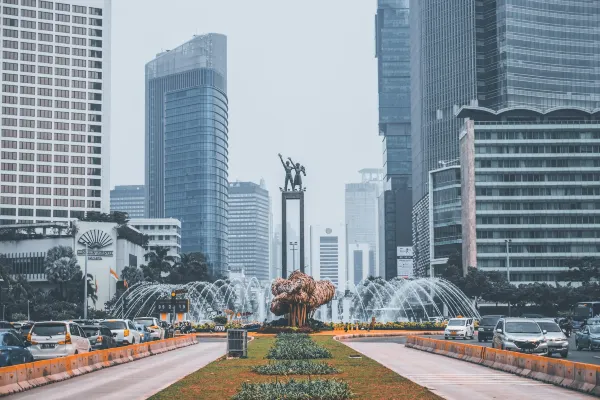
568, 374
39, 373
340, 338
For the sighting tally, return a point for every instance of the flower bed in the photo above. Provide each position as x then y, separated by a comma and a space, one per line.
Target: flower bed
329, 389
295, 367
296, 346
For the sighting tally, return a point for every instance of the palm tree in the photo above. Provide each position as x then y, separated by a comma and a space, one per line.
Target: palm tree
61, 267
191, 267
160, 263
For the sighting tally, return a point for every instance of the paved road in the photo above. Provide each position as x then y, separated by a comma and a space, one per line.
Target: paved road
584, 356
135, 380
458, 380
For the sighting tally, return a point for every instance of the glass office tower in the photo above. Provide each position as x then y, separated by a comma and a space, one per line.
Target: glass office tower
187, 144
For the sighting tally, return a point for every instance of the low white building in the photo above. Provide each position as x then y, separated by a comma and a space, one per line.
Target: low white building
328, 254
109, 246
163, 232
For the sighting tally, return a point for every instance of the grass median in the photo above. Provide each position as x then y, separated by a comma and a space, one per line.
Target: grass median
221, 379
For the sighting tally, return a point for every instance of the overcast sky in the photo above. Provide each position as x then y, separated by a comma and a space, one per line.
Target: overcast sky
302, 80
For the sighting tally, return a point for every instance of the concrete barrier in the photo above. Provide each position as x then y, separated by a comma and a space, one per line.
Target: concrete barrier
28, 376
569, 374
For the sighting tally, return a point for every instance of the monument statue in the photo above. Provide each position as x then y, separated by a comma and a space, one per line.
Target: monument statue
299, 169
288, 173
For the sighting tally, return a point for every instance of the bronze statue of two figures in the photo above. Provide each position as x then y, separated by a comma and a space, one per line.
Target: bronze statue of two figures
299, 170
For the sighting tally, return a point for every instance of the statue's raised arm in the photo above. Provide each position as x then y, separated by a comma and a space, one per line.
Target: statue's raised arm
281, 158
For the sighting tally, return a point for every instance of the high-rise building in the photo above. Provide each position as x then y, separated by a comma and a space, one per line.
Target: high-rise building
358, 262
187, 144
130, 199
249, 240
361, 208
392, 25
55, 109
328, 254
493, 54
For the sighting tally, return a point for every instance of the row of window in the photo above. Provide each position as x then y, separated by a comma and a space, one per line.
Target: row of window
538, 234
537, 149
28, 201
47, 180
64, 137
537, 135
44, 26
26, 123
11, 55
538, 191
43, 168
540, 248
47, 191
513, 206
49, 5
536, 163
48, 37
540, 220
533, 177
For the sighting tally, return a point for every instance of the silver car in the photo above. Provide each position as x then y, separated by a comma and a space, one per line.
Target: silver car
520, 334
57, 339
557, 340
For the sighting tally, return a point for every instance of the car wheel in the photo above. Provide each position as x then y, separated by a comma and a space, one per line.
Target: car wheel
549, 354
76, 352
133, 341
577, 346
564, 354
479, 339
590, 348
90, 350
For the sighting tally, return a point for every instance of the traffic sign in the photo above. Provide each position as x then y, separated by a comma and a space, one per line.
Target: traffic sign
166, 306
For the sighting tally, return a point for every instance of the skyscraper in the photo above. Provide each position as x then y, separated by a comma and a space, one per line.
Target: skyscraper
187, 144
130, 199
497, 55
361, 207
249, 220
55, 109
392, 27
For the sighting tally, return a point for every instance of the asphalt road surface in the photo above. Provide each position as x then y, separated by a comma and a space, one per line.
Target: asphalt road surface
584, 356
455, 379
134, 380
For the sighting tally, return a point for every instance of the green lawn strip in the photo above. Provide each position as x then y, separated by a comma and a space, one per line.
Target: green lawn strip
292, 389
296, 347
223, 378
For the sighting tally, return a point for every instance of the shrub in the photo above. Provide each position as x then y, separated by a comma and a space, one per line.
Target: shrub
329, 389
284, 329
295, 367
220, 319
292, 346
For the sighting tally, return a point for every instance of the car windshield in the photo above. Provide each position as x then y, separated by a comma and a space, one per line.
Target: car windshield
549, 327
489, 321
115, 325
595, 329
522, 327
91, 331
457, 322
49, 329
145, 322
593, 321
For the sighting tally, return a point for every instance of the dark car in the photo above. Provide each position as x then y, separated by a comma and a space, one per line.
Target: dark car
100, 337
12, 350
487, 327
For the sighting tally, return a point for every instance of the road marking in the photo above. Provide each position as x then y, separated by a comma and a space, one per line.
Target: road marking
463, 380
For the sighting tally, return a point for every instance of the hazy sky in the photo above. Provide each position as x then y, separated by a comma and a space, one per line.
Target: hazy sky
302, 80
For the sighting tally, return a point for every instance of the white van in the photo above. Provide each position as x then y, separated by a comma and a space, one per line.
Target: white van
463, 328
57, 339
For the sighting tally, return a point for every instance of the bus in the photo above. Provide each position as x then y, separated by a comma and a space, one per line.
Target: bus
584, 310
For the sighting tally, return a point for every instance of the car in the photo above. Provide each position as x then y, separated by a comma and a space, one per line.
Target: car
7, 326
13, 350
123, 330
557, 340
460, 328
153, 325
593, 321
520, 334
486, 327
100, 337
53, 339
588, 338
532, 316
144, 333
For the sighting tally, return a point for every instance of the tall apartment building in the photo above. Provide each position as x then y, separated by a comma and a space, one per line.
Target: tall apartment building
328, 254
187, 144
162, 232
392, 26
361, 209
492, 54
55, 161
130, 199
249, 228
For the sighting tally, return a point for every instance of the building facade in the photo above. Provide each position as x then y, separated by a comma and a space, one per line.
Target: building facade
162, 232
361, 211
358, 262
130, 199
536, 185
187, 144
328, 254
109, 245
55, 145
392, 26
249, 228
497, 55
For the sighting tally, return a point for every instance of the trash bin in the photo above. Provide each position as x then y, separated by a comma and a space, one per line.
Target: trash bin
237, 343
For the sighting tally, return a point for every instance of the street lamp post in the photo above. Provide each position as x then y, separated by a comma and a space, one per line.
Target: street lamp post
294, 248
507, 242
28, 317
85, 294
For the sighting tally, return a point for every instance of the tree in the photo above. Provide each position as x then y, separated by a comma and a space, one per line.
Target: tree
192, 267
61, 267
132, 275
582, 270
160, 264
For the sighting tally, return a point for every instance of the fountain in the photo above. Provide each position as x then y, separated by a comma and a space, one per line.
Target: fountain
396, 300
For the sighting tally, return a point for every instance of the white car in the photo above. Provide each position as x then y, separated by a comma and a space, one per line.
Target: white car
153, 325
57, 339
463, 328
123, 331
